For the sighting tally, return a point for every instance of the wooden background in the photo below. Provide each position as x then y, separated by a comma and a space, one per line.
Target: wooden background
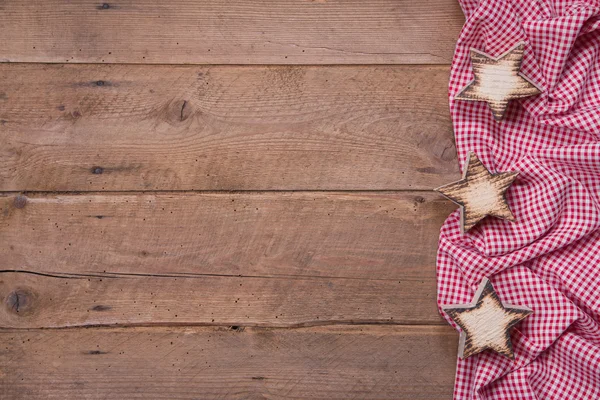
224, 199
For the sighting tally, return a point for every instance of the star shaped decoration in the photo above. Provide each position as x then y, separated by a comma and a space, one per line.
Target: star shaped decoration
498, 80
479, 193
486, 322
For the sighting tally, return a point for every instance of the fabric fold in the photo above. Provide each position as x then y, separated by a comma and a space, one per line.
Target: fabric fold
549, 259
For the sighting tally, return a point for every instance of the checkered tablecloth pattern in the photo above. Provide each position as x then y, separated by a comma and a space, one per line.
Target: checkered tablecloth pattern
549, 259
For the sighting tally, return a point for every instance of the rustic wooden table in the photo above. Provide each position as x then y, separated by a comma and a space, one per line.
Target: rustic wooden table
224, 199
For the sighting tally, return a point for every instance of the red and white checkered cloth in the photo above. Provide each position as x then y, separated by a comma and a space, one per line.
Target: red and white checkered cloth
549, 259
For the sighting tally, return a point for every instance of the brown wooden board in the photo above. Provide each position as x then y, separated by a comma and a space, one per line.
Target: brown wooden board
226, 32
35, 301
119, 127
325, 234
364, 362
263, 229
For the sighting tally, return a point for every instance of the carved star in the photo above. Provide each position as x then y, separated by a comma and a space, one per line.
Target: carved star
479, 193
498, 80
486, 322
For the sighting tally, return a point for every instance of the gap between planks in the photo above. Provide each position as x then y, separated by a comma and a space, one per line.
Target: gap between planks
208, 192
116, 275
351, 327
192, 65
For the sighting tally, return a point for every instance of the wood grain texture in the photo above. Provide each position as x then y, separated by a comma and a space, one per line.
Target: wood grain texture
34, 301
365, 362
229, 232
225, 32
352, 235
91, 127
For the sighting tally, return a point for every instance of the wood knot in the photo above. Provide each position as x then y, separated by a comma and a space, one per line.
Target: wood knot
178, 111
20, 201
185, 111
19, 301
101, 308
97, 170
95, 352
419, 199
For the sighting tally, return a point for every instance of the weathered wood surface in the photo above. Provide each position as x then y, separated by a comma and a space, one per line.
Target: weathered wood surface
34, 301
302, 285
362, 362
119, 127
351, 235
226, 32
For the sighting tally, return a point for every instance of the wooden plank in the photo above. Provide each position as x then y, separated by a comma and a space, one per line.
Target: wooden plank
352, 235
122, 127
34, 301
365, 362
224, 32
327, 234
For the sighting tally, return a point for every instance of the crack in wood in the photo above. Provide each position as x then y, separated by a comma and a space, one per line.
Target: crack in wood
124, 275
182, 108
240, 326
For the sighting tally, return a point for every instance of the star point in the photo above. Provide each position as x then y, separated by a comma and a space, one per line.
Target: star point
498, 80
480, 193
486, 322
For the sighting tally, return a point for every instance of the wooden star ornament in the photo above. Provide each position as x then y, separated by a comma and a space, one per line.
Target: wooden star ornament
498, 80
479, 193
486, 322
